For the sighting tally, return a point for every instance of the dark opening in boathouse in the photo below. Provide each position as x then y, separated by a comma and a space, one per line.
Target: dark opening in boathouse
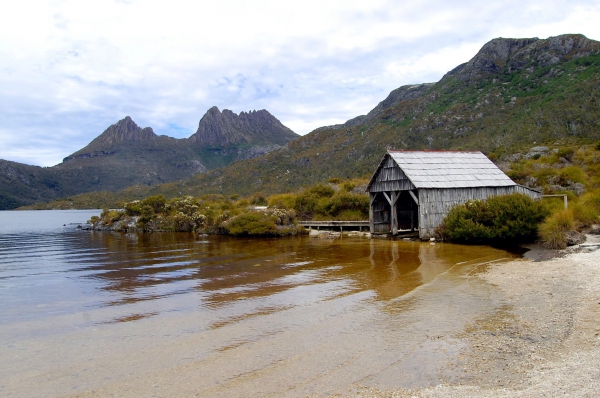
413, 190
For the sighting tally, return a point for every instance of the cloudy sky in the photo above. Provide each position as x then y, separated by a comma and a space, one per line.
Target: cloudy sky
71, 68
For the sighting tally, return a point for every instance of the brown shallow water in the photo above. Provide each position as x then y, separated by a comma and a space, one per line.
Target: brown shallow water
88, 313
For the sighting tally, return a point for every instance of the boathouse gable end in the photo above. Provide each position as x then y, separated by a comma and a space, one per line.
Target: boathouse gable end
390, 177
414, 190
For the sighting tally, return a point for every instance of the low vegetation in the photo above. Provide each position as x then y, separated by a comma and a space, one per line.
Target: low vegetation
257, 215
558, 229
210, 214
554, 229
562, 169
559, 169
573, 170
517, 218
513, 218
323, 202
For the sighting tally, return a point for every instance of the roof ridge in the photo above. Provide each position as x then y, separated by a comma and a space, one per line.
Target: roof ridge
432, 150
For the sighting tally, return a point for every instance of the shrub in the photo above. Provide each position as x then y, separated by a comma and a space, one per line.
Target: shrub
280, 216
305, 205
345, 201
512, 217
572, 174
186, 205
516, 216
348, 186
111, 216
156, 202
268, 222
591, 200
553, 230
587, 210
251, 224
310, 201
584, 215
133, 208
322, 203
351, 215
566, 153
258, 199
460, 224
321, 191
286, 200
146, 214
184, 222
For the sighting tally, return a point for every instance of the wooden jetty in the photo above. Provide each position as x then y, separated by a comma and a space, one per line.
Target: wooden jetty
336, 224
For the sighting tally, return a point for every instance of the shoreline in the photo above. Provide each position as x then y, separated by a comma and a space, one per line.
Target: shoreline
544, 340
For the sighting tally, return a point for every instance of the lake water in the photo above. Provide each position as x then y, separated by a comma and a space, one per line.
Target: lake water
87, 313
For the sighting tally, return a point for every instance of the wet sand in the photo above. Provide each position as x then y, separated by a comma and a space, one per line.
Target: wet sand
545, 341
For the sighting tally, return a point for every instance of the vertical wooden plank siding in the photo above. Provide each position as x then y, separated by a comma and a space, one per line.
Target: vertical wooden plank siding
371, 220
391, 178
394, 214
435, 203
381, 214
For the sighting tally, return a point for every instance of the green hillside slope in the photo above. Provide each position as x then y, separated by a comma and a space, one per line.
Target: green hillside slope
512, 95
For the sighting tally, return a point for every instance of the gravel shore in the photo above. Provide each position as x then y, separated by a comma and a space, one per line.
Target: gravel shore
544, 342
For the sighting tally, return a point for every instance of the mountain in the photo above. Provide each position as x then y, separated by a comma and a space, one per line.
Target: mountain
222, 129
23, 184
512, 95
224, 137
126, 154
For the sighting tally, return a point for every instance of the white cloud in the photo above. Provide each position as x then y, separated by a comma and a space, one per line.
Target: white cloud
70, 68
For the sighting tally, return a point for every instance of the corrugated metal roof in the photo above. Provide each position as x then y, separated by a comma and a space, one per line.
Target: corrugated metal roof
450, 169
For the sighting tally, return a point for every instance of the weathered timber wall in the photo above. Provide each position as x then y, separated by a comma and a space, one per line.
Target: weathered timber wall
381, 215
391, 178
434, 204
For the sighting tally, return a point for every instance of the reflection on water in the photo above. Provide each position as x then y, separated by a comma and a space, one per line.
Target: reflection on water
130, 270
267, 298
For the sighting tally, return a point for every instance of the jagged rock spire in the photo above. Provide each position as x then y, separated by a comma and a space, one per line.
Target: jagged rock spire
226, 128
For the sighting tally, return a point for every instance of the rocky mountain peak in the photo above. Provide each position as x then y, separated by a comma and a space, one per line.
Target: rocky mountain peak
498, 56
221, 129
125, 131
122, 131
508, 55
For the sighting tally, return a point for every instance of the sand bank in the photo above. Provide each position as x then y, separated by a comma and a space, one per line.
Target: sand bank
544, 342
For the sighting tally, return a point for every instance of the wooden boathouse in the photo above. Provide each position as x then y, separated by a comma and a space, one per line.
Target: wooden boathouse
413, 190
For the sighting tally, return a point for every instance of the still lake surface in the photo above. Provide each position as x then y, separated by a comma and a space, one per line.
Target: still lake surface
86, 313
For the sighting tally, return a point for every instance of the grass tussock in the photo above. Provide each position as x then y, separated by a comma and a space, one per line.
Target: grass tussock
584, 212
554, 229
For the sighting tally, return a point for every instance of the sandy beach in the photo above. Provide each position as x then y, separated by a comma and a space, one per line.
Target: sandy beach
545, 344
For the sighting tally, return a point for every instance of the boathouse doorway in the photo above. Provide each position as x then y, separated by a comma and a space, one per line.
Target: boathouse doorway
404, 218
